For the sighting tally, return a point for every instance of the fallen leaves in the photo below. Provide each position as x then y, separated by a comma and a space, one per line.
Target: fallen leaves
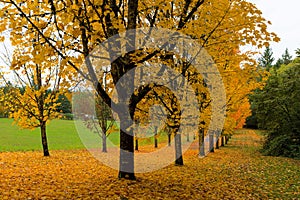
236, 171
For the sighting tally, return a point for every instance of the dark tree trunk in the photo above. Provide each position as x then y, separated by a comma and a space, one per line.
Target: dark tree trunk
136, 144
178, 150
222, 141
201, 143
226, 139
155, 141
188, 137
169, 139
217, 143
155, 138
211, 142
44, 139
126, 168
104, 146
126, 155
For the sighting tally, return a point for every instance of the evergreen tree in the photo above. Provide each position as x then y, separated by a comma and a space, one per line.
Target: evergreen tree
266, 60
277, 109
298, 53
286, 57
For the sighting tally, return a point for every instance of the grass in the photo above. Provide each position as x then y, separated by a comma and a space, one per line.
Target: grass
61, 134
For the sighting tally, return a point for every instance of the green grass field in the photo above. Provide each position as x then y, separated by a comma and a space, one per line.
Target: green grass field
61, 134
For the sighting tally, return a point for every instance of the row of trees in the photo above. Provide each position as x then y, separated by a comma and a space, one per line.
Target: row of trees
53, 39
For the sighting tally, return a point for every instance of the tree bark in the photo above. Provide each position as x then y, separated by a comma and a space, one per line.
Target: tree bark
126, 164
126, 168
155, 138
211, 142
217, 143
136, 144
104, 146
201, 143
169, 139
226, 139
178, 150
44, 139
222, 141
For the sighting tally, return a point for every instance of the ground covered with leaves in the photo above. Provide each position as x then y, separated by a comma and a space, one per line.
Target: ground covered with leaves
236, 171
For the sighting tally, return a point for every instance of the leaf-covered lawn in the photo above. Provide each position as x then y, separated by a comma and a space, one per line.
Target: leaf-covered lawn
236, 171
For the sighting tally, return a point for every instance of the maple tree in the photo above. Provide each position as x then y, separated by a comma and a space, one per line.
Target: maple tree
32, 99
72, 29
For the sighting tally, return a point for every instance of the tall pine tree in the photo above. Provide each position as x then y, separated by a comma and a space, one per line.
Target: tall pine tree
266, 60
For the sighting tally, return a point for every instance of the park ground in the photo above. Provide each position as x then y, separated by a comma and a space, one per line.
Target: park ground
236, 171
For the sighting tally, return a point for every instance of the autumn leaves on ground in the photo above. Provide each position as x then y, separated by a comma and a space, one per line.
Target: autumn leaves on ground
236, 171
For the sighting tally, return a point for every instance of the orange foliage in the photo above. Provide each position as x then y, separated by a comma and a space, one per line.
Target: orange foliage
236, 172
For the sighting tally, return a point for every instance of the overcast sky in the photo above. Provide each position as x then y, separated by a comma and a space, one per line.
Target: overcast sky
285, 19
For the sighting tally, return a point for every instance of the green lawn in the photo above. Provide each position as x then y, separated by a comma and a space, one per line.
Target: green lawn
62, 135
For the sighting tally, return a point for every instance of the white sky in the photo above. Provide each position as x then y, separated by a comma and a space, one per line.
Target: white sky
285, 19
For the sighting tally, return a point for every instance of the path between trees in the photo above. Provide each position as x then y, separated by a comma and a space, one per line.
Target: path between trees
236, 171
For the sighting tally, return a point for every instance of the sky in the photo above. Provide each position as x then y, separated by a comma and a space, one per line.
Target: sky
285, 19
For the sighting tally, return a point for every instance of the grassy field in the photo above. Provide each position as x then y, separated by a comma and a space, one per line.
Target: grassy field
62, 135
236, 171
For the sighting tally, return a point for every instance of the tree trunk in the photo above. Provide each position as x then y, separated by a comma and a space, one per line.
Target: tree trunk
155, 141
136, 144
169, 139
222, 141
217, 143
104, 146
226, 139
126, 164
201, 143
155, 138
188, 137
126, 168
44, 139
178, 150
211, 142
